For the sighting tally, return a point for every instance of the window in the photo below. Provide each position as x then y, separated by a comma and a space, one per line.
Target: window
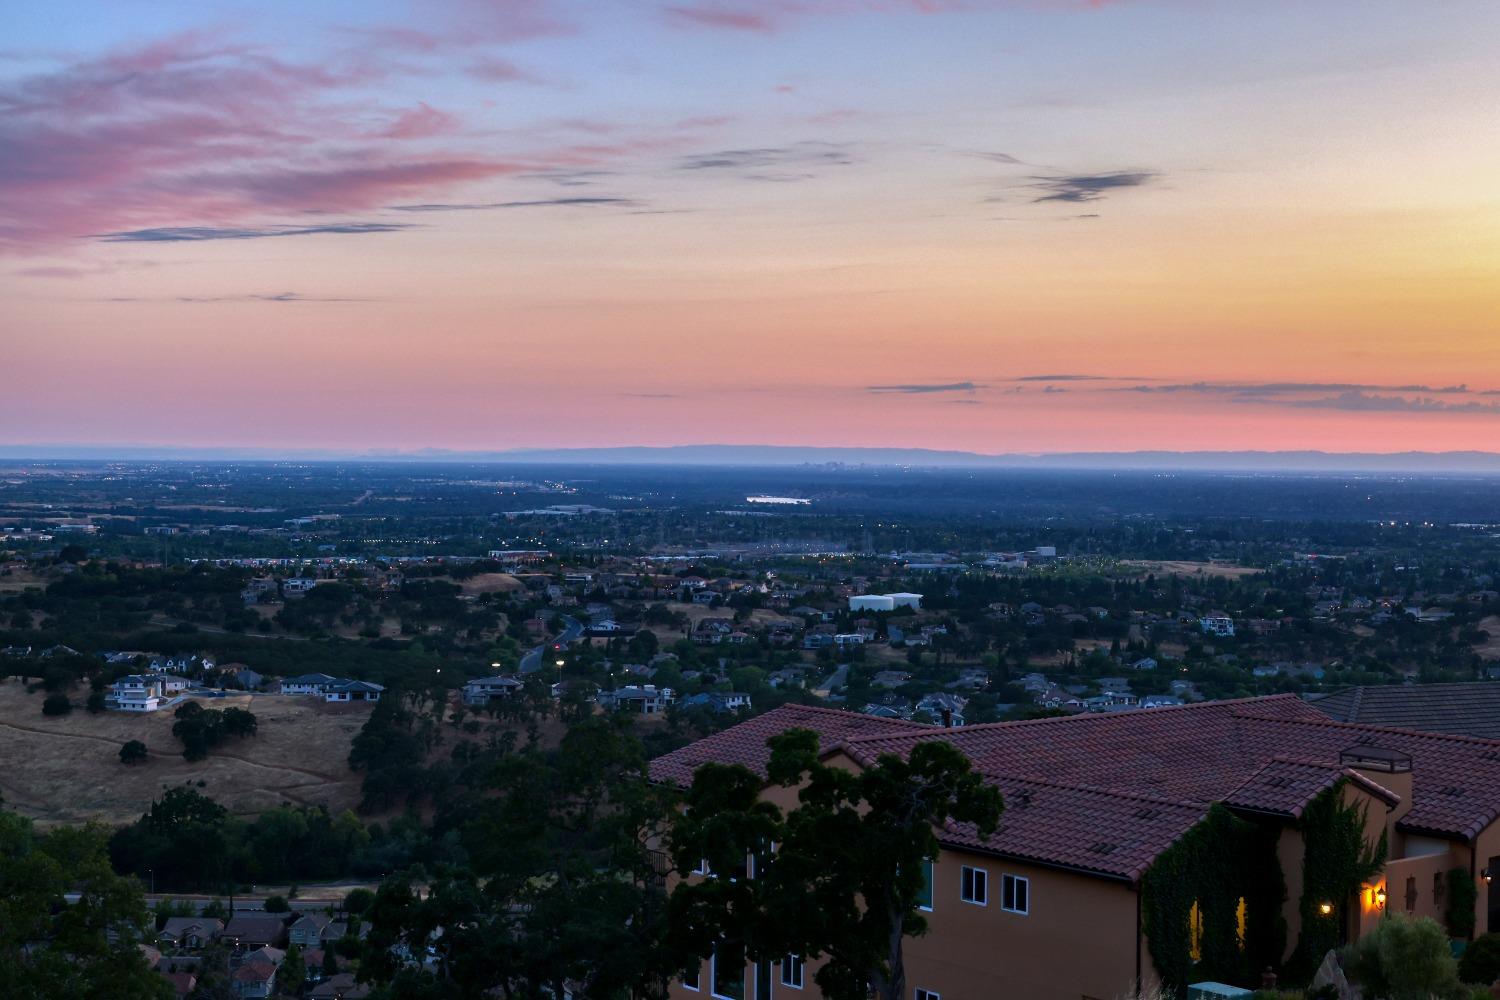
703, 868
690, 980
791, 971
921, 994
974, 886
1015, 894
924, 898
1195, 932
727, 971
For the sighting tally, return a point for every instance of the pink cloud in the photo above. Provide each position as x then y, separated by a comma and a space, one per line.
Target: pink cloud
187, 131
421, 122
498, 71
721, 16
765, 16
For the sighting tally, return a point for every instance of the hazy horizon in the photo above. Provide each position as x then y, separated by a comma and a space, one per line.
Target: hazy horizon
719, 455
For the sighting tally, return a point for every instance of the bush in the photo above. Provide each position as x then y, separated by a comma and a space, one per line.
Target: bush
57, 704
96, 702
277, 904
1481, 961
1403, 958
132, 752
1462, 895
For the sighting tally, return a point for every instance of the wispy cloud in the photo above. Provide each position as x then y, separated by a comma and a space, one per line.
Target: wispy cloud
922, 388
1079, 188
1283, 388
196, 234
278, 297
1062, 378
422, 122
1363, 401
797, 161
536, 203
766, 16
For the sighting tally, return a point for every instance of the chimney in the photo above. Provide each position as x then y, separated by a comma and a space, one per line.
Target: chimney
1386, 767
947, 718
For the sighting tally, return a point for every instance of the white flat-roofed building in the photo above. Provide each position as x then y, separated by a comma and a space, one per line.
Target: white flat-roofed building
884, 602
871, 602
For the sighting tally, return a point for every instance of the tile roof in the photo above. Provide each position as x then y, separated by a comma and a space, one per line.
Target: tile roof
745, 743
1107, 793
1285, 786
252, 973
1090, 829
1467, 709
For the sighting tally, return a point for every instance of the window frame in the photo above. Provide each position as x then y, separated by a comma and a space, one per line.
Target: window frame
923, 993
930, 874
1014, 881
713, 976
788, 963
976, 878
696, 985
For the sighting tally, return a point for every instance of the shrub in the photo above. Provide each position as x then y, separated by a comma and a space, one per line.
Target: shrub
1405, 959
57, 704
277, 904
1462, 895
132, 752
96, 702
1481, 961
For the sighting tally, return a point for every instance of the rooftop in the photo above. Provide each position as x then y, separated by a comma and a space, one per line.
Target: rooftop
1107, 793
1467, 709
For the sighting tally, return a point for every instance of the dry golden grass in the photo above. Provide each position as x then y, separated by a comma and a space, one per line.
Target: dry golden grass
491, 583
1184, 567
1490, 648
19, 580
67, 769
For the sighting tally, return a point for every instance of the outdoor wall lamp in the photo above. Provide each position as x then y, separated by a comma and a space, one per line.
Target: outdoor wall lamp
1380, 897
1487, 875
1325, 908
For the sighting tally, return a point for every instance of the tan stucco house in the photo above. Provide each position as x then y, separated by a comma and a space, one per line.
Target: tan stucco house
1050, 907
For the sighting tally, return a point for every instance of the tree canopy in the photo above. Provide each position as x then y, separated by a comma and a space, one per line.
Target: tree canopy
838, 877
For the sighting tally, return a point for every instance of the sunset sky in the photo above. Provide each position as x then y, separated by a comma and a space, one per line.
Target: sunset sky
994, 225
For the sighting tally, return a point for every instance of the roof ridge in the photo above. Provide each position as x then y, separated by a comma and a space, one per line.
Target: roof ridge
1158, 800
825, 710
1052, 720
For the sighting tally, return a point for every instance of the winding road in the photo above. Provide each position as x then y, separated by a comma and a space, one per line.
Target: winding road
572, 631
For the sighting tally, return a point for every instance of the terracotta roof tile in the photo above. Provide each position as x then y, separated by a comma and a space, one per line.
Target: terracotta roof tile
1462, 709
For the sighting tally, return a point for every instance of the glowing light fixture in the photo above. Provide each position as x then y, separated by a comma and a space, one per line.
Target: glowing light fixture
1380, 897
1325, 908
1487, 874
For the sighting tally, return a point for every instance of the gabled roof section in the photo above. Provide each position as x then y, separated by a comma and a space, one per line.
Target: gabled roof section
1285, 786
1092, 830
1464, 709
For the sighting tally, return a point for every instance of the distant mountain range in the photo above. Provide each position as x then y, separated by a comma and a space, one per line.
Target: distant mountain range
796, 455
